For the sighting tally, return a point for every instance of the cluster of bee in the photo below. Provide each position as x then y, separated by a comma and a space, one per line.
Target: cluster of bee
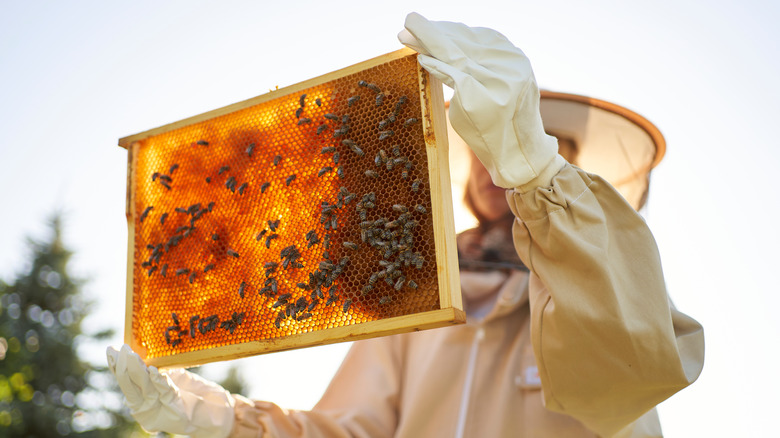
321, 280
153, 262
165, 179
174, 333
394, 240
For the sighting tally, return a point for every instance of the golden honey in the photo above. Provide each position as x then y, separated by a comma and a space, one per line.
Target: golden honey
305, 212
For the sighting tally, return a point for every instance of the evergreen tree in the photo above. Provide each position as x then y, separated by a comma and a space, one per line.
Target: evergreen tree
45, 388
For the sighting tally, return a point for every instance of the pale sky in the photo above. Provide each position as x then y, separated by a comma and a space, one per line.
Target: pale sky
76, 76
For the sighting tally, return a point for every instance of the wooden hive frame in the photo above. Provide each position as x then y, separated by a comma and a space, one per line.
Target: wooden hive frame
433, 134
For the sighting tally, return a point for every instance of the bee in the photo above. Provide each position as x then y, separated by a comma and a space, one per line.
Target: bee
203, 142
371, 173
192, 277
396, 150
232, 253
303, 121
341, 131
278, 320
366, 289
231, 183
350, 245
345, 118
164, 270
264, 187
410, 122
242, 187
302, 286
269, 239
378, 160
223, 169
416, 185
260, 235
331, 116
208, 180
399, 284
347, 303
277, 159
210, 206
328, 149
336, 157
182, 271
250, 149
385, 300
353, 147
165, 178
289, 179
380, 97
405, 174
208, 267
241, 289
352, 100
340, 172
155, 175
321, 128
411, 284
145, 212
274, 224
318, 101
150, 271
386, 134
420, 209
173, 167
302, 100
270, 265
324, 170
298, 113
163, 217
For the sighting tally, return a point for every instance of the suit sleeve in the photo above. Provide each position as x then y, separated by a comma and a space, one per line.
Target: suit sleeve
361, 401
608, 345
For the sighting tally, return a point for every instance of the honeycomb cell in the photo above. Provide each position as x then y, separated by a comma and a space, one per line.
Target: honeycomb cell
305, 212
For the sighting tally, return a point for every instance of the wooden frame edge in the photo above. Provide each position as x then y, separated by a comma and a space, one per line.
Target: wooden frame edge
126, 141
382, 327
437, 149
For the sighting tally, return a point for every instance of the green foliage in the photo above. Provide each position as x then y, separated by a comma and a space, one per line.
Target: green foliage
45, 388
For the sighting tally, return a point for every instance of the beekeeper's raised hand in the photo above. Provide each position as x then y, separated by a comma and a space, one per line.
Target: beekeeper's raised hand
495, 108
176, 402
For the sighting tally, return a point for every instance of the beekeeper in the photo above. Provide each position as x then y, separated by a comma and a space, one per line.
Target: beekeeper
574, 338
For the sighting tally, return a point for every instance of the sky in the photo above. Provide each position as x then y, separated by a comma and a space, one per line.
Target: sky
76, 76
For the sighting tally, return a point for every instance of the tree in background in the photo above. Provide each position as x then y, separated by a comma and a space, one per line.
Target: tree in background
45, 388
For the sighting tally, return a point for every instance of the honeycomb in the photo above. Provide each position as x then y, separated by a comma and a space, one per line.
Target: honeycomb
305, 212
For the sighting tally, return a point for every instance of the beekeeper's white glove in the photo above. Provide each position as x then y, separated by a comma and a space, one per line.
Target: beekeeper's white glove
176, 402
495, 108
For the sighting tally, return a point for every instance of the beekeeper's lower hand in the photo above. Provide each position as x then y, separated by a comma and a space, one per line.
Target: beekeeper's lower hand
495, 107
176, 402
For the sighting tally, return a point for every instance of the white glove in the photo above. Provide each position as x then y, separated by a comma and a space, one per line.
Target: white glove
495, 107
176, 402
